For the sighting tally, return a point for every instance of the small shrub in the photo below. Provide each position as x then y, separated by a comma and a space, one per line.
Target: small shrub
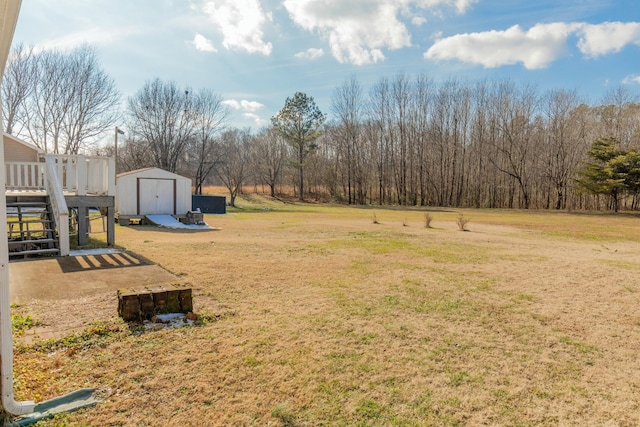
21, 323
462, 222
427, 220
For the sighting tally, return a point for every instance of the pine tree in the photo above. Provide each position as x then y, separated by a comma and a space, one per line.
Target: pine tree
610, 171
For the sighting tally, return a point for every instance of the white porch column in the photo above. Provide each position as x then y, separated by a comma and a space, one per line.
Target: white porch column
9, 10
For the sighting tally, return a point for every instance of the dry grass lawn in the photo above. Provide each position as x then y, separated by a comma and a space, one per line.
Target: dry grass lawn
313, 315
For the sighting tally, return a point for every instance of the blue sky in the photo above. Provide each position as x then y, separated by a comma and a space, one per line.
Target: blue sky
255, 53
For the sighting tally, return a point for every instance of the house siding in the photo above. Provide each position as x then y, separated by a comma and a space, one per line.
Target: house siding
15, 151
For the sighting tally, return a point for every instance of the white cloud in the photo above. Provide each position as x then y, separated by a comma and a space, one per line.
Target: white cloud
535, 48
202, 44
259, 121
232, 103
244, 105
311, 53
241, 23
632, 79
358, 31
418, 21
608, 37
463, 5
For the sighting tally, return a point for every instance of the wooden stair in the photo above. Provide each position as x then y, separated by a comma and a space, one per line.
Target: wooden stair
30, 227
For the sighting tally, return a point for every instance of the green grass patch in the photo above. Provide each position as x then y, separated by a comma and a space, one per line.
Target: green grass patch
99, 333
21, 323
618, 263
382, 242
580, 346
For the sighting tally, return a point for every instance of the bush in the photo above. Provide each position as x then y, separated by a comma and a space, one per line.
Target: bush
427, 220
462, 222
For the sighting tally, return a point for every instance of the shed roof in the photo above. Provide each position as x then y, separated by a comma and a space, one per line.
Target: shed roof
135, 171
147, 171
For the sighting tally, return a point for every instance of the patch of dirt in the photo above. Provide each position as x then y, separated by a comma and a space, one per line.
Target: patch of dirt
67, 316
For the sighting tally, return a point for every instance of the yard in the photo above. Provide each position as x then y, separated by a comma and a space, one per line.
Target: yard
315, 315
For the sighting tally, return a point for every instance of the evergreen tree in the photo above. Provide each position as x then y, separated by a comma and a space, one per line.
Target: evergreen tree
299, 123
611, 171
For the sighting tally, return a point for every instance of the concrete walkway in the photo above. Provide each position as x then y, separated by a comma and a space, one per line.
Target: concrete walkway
83, 275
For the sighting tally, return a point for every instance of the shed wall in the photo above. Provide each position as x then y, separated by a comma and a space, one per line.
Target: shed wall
127, 191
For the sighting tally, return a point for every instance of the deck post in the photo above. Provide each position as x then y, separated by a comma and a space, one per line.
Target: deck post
83, 225
111, 177
111, 220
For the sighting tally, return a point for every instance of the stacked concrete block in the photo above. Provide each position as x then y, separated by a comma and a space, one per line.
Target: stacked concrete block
138, 304
186, 300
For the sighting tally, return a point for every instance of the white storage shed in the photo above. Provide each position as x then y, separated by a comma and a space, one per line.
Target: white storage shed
152, 191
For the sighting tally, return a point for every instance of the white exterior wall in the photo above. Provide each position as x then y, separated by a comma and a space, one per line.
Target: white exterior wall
183, 200
127, 197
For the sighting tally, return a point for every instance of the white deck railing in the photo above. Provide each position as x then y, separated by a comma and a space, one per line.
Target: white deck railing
58, 204
80, 175
25, 175
60, 174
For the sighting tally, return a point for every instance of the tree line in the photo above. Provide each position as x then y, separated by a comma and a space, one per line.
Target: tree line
405, 140
490, 143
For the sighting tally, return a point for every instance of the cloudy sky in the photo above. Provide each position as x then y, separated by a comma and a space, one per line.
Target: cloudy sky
255, 53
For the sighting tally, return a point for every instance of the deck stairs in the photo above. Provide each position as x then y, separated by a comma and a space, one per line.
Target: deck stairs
31, 227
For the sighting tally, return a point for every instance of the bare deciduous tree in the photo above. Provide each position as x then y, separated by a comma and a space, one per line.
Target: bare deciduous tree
133, 155
17, 86
347, 105
160, 115
236, 146
561, 149
92, 109
620, 115
269, 157
515, 147
380, 135
209, 115
61, 101
176, 130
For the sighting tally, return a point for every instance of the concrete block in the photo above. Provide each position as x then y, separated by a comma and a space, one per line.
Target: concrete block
128, 306
160, 301
173, 301
186, 301
137, 304
147, 305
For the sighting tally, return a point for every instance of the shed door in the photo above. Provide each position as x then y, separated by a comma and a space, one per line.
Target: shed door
156, 196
